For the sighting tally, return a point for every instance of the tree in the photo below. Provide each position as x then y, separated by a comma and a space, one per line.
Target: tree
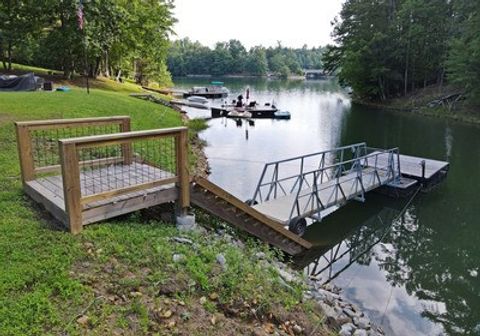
238, 54
119, 36
257, 61
187, 57
19, 21
463, 62
388, 48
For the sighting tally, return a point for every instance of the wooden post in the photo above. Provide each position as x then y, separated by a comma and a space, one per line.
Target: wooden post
71, 186
181, 150
25, 153
127, 151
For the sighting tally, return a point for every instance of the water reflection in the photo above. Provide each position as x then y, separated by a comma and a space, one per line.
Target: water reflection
347, 259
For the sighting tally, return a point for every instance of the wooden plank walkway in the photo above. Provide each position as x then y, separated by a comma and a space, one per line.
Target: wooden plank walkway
220, 203
279, 209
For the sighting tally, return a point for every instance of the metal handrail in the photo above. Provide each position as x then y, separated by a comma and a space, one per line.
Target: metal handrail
355, 149
326, 168
311, 182
357, 145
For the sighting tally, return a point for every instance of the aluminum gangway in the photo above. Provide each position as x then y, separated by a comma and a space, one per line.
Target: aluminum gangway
291, 190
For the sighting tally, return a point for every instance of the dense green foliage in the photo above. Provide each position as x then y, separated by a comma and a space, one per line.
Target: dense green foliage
463, 62
113, 43
232, 58
386, 49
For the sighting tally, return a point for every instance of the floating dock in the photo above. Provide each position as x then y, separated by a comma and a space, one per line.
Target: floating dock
416, 172
257, 113
302, 187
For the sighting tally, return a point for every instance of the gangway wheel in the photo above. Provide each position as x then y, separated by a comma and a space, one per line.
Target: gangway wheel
251, 202
298, 226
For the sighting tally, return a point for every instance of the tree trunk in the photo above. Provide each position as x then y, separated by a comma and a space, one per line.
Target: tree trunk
382, 89
9, 45
2, 55
96, 70
413, 81
65, 59
138, 71
407, 55
442, 74
107, 65
119, 75
9, 55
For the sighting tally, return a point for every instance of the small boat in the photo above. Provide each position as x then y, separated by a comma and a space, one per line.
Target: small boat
197, 99
282, 115
185, 102
210, 92
239, 114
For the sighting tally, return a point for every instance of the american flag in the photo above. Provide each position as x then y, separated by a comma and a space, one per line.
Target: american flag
80, 15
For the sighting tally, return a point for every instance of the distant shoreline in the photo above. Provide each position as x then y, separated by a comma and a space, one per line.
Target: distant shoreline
292, 77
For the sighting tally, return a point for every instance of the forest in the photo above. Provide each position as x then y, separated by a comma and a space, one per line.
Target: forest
186, 57
388, 49
383, 49
113, 38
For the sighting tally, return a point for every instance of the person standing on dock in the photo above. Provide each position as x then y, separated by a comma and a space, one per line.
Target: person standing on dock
239, 101
247, 95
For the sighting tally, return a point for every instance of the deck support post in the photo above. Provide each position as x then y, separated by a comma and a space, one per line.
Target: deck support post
71, 186
181, 149
25, 153
184, 219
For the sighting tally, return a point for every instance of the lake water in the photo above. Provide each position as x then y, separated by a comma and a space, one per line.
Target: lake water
414, 274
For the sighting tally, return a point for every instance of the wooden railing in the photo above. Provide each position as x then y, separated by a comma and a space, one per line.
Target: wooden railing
37, 140
101, 159
154, 158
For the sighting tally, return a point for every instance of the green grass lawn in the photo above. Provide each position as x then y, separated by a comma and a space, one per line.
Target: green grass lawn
79, 104
117, 276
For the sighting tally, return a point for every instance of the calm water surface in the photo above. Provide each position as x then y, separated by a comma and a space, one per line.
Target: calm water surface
414, 273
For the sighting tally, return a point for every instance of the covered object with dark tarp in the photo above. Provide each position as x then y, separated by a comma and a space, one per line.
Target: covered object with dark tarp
28, 82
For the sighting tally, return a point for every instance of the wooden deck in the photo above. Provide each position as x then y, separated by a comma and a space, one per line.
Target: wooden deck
49, 191
90, 169
279, 209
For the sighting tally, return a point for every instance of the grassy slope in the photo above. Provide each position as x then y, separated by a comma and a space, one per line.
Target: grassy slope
56, 77
119, 274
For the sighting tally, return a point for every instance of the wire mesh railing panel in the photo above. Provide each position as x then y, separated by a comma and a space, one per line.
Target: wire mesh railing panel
126, 164
45, 150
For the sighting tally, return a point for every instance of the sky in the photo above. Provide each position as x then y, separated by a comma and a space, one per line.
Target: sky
257, 22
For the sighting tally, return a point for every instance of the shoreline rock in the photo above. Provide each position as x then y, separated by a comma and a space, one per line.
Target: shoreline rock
340, 315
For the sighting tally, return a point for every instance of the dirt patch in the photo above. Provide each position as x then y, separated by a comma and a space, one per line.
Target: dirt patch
6, 118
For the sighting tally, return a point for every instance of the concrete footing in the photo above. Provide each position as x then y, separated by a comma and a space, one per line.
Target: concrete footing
186, 222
